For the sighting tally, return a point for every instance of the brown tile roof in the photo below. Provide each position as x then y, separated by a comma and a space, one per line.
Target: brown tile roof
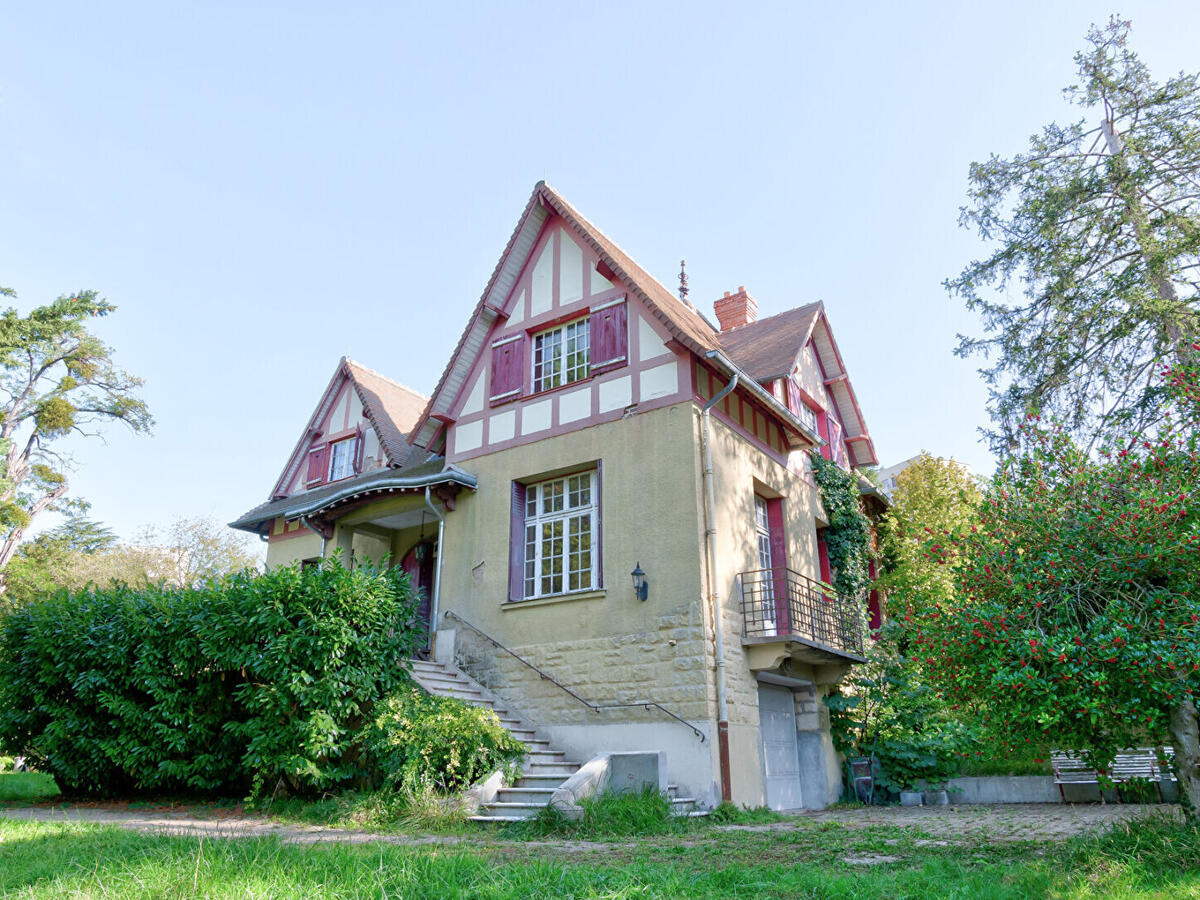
392, 408
768, 348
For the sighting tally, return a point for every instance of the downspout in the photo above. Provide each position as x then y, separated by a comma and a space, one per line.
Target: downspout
710, 561
324, 540
437, 573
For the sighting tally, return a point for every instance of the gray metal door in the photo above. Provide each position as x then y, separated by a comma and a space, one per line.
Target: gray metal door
781, 757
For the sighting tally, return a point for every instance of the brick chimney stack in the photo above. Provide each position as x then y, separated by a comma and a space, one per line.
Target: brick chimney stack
737, 309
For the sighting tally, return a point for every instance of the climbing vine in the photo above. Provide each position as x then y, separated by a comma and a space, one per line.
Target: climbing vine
848, 536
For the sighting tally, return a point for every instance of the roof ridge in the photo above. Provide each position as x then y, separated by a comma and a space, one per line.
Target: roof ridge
785, 312
355, 364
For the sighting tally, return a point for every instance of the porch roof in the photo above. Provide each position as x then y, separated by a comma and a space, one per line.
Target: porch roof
428, 474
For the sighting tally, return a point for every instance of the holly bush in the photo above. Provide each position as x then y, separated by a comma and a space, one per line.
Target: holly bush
889, 712
421, 741
247, 678
1078, 615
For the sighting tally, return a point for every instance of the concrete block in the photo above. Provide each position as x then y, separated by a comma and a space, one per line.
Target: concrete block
443, 645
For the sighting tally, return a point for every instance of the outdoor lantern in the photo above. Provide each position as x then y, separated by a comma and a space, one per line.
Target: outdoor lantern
640, 587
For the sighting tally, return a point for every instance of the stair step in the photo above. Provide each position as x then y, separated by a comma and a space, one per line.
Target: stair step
540, 795
500, 819
543, 779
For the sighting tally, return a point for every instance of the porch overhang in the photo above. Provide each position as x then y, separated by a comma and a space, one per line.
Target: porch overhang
320, 507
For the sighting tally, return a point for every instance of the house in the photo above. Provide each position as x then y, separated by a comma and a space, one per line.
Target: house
598, 470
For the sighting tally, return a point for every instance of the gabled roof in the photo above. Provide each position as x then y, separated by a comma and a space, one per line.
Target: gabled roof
681, 319
768, 348
761, 351
391, 408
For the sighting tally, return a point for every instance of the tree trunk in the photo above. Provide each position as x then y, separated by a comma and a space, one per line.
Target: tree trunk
1185, 734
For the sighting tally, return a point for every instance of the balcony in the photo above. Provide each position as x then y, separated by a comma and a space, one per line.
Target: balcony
788, 614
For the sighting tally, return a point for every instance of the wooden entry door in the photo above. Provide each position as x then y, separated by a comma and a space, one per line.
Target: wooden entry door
418, 563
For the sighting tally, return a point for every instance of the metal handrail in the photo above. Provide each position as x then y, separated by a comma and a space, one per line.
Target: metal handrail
594, 707
779, 601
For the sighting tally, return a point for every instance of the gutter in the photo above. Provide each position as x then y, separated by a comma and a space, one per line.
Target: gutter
450, 473
710, 562
765, 396
437, 573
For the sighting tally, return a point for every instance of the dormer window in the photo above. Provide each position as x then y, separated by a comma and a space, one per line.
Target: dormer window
561, 355
341, 459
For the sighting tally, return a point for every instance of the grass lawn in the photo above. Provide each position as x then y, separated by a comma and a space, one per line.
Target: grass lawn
1145, 860
21, 787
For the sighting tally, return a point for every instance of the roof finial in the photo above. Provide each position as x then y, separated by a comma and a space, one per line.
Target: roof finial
683, 288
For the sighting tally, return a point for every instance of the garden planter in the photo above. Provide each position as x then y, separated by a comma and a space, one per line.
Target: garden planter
937, 798
910, 798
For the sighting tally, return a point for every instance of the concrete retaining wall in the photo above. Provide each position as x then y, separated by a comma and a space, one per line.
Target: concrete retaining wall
1035, 789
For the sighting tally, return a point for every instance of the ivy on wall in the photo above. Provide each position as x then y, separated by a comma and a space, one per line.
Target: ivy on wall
848, 536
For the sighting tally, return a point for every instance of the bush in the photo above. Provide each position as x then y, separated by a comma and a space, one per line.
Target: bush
424, 741
894, 716
251, 677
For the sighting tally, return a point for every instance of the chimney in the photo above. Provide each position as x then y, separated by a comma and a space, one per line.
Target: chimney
736, 309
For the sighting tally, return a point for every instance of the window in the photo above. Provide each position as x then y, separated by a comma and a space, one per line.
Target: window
561, 536
341, 459
762, 530
560, 355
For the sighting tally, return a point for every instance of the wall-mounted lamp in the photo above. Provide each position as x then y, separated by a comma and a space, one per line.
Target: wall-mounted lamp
640, 588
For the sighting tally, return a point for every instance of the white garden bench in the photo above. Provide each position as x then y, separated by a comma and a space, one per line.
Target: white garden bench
1129, 765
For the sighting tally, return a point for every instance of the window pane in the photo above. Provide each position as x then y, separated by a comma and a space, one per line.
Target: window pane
552, 497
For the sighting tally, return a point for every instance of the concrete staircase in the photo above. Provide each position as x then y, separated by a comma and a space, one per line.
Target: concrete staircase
544, 769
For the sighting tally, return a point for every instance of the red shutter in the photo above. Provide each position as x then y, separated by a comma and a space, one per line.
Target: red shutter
609, 337
508, 370
823, 431
823, 558
778, 562
793, 397
516, 549
316, 464
360, 446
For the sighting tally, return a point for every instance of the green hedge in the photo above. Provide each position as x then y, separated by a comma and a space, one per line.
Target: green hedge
424, 741
250, 678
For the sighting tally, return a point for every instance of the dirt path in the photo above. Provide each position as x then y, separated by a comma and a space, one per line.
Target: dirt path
1009, 822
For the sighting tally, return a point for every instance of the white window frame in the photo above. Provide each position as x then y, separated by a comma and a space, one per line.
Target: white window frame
335, 473
558, 510
551, 363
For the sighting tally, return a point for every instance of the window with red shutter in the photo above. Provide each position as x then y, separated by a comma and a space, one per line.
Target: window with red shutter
316, 464
508, 369
610, 336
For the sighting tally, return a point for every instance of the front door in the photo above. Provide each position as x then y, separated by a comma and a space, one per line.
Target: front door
781, 756
418, 563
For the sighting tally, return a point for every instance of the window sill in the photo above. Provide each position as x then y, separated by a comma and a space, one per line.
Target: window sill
557, 598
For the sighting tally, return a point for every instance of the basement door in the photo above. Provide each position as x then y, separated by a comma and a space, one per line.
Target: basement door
780, 752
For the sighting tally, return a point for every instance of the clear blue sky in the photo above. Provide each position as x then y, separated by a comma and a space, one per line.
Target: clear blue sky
263, 187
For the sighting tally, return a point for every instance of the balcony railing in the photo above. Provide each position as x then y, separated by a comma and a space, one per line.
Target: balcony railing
784, 604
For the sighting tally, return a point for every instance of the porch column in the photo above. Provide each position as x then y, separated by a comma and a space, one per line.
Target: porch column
343, 539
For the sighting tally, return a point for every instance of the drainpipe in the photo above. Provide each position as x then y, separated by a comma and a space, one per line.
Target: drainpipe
324, 540
710, 534
437, 573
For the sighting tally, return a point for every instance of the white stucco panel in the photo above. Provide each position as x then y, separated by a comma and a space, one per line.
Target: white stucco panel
468, 437
600, 284
661, 381
575, 405
541, 288
616, 394
535, 417
570, 270
650, 345
502, 426
474, 401
516, 312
